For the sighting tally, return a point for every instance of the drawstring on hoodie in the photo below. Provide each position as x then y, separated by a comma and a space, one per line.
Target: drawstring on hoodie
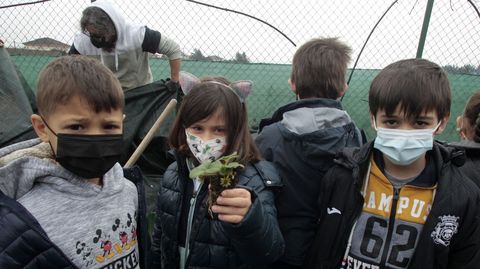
101, 57
116, 59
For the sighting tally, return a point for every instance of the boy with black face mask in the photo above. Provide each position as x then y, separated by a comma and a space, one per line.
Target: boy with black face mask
401, 200
65, 192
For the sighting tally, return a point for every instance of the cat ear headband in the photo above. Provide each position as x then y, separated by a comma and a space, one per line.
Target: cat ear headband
242, 88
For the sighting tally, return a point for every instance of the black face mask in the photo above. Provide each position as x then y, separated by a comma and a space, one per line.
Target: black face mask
101, 43
88, 156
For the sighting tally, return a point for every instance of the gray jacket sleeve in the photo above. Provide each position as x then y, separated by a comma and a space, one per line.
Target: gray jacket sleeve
169, 48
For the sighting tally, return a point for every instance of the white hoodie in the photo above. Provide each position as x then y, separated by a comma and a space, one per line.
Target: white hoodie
129, 61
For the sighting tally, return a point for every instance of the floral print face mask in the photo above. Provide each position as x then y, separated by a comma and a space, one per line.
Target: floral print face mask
205, 150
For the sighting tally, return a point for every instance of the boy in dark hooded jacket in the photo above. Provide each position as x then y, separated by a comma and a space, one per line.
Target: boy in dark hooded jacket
302, 138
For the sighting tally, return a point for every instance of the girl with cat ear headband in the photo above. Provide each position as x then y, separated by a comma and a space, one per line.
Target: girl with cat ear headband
239, 227
242, 88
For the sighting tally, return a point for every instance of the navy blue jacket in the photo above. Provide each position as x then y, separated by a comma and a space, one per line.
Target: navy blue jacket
301, 139
253, 243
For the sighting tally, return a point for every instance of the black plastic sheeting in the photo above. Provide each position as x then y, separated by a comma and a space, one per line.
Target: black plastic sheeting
17, 103
143, 105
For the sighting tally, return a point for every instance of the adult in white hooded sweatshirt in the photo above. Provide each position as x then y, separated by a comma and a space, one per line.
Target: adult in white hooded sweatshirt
122, 46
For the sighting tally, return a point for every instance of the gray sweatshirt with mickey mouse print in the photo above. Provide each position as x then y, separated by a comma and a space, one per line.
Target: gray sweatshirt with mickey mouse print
95, 226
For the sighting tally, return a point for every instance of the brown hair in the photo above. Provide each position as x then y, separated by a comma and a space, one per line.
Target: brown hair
472, 115
215, 78
76, 75
203, 101
319, 67
417, 85
99, 19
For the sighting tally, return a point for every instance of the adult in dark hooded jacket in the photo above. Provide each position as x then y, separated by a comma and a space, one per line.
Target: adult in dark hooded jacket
302, 138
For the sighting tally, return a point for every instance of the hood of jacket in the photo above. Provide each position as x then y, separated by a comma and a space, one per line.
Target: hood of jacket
318, 128
32, 162
471, 148
129, 36
309, 116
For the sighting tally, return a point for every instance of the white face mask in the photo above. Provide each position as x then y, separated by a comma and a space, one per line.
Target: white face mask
205, 150
403, 147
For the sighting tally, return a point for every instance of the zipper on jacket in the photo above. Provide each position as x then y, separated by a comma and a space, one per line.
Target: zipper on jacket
354, 217
191, 212
346, 235
391, 224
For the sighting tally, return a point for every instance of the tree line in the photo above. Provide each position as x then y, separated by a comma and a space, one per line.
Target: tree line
197, 54
241, 57
464, 69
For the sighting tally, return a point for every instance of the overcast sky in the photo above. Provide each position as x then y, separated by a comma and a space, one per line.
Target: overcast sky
453, 37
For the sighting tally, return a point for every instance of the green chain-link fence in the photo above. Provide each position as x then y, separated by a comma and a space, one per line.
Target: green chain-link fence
256, 40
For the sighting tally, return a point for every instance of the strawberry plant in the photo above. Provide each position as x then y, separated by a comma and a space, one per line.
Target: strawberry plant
221, 174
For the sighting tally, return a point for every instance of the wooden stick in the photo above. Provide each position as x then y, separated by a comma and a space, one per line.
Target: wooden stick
133, 159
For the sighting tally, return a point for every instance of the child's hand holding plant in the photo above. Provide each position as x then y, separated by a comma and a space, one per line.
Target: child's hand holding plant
230, 203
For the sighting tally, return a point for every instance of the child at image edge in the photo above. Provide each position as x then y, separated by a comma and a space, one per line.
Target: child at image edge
468, 127
400, 201
64, 201
212, 122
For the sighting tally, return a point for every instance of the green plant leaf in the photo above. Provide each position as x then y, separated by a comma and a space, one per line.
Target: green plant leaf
233, 165
199, 170
213, 168
222, 166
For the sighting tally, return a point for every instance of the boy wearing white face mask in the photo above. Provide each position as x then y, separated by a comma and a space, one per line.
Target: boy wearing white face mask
401, 200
